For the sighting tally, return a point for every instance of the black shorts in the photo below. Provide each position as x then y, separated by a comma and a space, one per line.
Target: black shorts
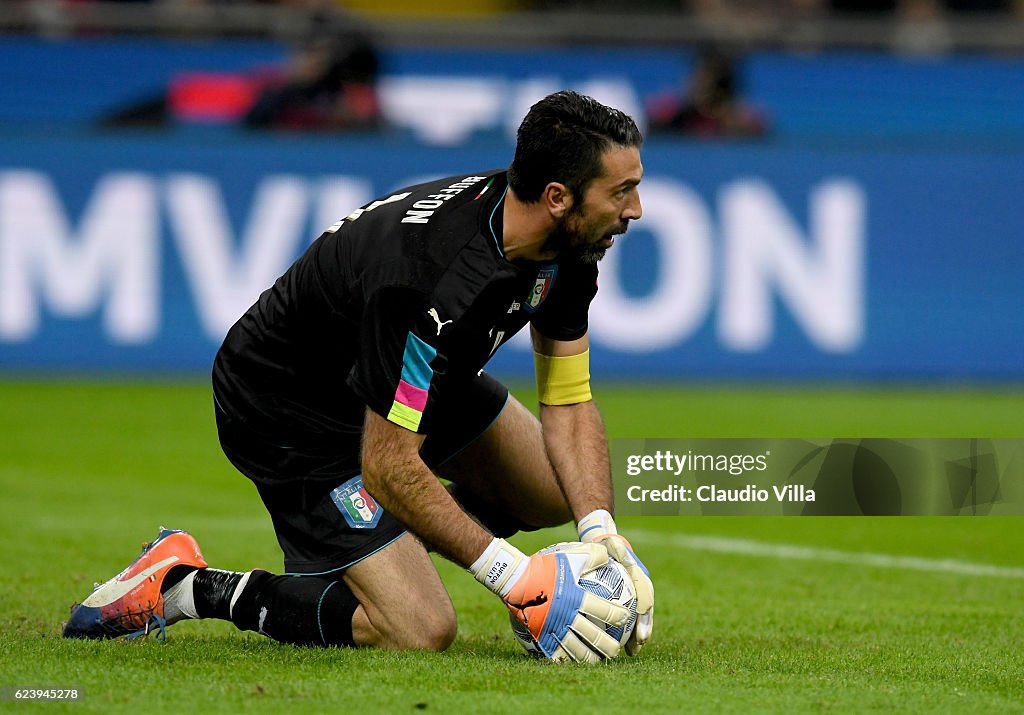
324, 519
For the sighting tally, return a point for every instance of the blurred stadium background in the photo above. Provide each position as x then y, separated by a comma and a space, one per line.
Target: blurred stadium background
832, 188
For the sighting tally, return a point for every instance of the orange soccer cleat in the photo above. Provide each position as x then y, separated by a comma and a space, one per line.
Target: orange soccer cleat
131, 604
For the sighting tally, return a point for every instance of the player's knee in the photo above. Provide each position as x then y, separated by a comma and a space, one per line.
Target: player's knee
426, 626
502, 521
437, 634
507, 524
433, 631
553, 513
435, 628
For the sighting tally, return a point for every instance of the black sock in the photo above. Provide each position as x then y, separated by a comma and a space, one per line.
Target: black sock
174, 577
304, 610
212, 591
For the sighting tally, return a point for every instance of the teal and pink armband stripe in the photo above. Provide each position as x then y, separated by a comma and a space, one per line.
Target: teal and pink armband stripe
414, 385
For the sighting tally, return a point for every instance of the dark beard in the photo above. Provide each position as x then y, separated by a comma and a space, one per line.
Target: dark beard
589, 255
560, 241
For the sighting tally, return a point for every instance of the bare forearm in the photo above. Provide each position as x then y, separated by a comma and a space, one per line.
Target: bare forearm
577, 446
396, 476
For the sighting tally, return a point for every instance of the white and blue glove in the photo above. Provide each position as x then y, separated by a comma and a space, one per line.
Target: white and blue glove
543, 594
599, 527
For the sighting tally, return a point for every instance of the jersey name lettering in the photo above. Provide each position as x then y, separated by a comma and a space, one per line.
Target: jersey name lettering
423, 209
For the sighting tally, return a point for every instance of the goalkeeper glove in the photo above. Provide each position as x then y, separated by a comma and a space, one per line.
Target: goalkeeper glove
542, 593
599, 527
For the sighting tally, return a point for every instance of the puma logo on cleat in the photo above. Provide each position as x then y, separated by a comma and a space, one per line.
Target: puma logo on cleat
263, 619
437, 319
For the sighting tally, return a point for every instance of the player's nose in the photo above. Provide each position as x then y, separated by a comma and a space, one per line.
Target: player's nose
633, 209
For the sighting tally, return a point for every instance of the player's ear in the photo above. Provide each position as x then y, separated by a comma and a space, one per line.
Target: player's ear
557, 199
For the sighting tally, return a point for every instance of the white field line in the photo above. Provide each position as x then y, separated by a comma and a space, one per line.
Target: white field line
746, 547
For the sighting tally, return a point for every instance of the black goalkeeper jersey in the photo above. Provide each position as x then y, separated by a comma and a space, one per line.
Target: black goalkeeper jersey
387, 308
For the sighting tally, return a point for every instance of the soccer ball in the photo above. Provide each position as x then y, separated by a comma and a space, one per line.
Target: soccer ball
610, 581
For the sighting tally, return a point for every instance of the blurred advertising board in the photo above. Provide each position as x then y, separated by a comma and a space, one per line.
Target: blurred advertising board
136, 252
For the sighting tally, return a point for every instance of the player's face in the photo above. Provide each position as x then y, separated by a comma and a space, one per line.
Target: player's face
609, 203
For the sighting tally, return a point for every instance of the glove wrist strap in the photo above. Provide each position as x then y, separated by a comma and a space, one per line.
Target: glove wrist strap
597, 523
499, 566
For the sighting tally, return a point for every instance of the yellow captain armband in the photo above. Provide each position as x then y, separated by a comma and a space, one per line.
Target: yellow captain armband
562, 380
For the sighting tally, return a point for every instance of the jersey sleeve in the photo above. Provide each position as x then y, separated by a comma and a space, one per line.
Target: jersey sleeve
400, 365
564, 313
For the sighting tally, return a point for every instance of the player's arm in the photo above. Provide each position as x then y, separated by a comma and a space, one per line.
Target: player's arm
401, 369
574, 434
577, 445
399, 479
529, 586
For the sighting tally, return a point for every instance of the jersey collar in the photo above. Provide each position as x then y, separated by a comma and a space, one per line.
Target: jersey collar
500, 223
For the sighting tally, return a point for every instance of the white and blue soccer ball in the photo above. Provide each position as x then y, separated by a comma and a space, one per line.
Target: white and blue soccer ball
610, 581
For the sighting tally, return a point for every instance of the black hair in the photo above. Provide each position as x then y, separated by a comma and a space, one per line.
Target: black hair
562, 139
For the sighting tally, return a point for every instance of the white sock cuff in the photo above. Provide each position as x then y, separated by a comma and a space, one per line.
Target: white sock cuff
181, 598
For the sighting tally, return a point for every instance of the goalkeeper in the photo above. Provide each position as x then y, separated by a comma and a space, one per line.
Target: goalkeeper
357, 379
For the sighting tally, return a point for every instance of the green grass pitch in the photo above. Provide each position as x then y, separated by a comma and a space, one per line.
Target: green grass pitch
89, 470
